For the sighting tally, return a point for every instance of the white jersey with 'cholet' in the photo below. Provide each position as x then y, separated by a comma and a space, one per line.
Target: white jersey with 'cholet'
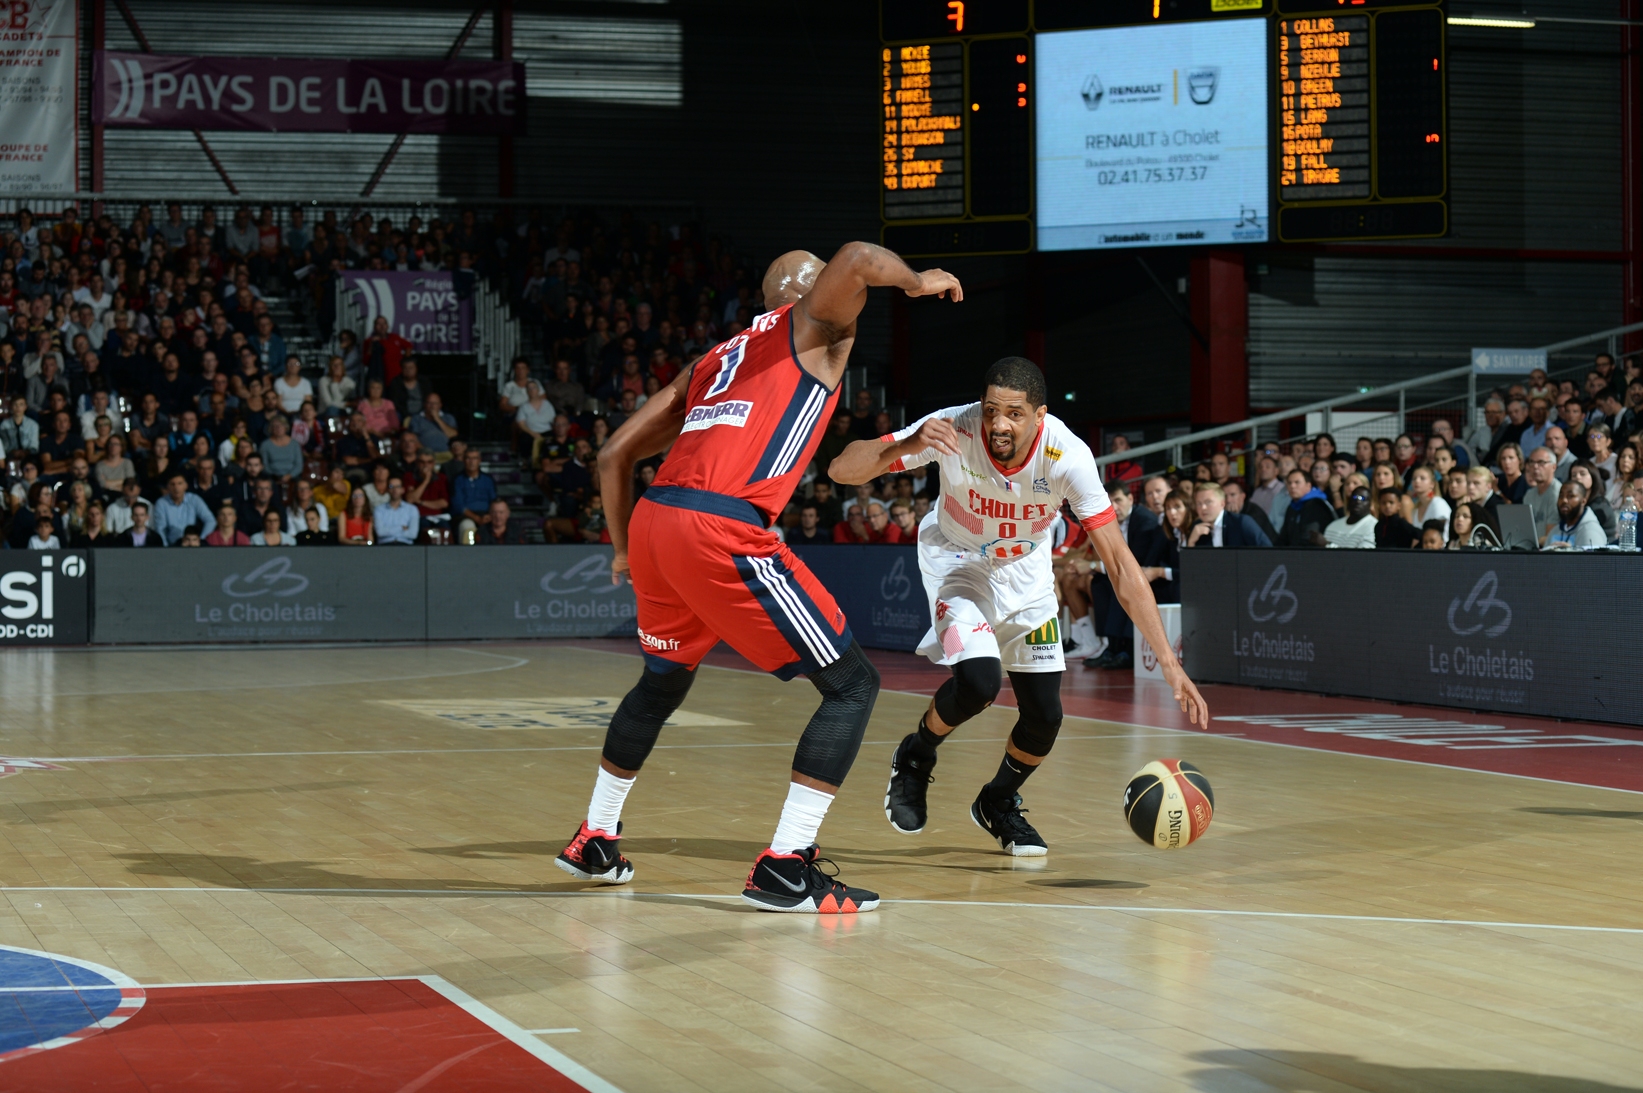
1008, 513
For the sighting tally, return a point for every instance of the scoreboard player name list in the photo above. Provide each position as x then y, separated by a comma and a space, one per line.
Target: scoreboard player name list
924, 131
1323, 88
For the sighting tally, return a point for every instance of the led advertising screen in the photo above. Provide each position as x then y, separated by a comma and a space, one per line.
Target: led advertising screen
1153, 135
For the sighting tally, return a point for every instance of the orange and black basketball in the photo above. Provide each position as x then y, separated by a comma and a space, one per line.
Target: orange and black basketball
1169, 803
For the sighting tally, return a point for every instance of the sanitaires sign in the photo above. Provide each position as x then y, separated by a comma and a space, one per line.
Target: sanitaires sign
39, 96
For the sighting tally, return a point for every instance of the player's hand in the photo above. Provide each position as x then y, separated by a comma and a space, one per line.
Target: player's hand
1186, 693
619, 567
938, 282
937, 433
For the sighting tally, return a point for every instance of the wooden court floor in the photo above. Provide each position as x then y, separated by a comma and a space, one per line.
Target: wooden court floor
1348, 923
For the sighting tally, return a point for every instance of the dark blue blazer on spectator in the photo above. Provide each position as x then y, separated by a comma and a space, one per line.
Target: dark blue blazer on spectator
1143, 538
124, 539
1237, 530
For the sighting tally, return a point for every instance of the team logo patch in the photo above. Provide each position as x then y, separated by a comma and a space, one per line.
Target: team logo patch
732, 413
973, 473
1041, 485
1052, 454
1048, 634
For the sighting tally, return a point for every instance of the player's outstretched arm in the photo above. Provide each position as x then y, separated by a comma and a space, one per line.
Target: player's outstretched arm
827, 314
648, 432
1130, 585
865, 460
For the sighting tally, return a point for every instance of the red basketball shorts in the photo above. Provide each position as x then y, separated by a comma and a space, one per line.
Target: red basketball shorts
705, 568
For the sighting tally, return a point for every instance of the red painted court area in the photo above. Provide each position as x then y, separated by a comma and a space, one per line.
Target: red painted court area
359, 1037
1610, 756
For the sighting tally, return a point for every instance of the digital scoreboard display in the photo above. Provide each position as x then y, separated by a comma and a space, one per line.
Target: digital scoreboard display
1009, 125
1362, 139
956, 117
1153, 136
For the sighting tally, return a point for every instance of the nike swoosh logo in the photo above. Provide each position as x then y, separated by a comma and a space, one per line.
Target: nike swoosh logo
800, 887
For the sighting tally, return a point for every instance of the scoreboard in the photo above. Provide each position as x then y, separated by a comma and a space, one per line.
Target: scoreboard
1355, 148
1362, 139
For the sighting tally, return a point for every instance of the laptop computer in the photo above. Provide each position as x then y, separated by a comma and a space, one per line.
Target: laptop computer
1517, 528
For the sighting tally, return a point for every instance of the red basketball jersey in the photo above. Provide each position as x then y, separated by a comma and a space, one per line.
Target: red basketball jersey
754, 418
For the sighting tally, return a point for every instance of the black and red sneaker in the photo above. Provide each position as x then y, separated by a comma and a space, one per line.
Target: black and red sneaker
596, 855
795, 882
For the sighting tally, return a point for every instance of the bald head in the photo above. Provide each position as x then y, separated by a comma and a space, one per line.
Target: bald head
790, 277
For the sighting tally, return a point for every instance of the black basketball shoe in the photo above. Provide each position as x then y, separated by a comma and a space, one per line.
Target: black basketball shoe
596, 855
910, 778
1003, 820
795, 882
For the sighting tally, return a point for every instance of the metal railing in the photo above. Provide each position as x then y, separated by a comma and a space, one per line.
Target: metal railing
1177, 445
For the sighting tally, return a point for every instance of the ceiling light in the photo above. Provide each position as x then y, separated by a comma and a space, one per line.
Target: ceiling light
1502, 22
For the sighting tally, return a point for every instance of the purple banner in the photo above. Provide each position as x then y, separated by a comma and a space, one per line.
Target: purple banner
293, 94
422, 308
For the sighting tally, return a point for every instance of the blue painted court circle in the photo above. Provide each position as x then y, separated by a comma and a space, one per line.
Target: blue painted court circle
48, 1000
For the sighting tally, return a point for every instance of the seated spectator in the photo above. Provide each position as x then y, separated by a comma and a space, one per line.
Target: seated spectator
227, 531
97, 443
1424, 503
45, 535
376, 490
810, 531
1355, 530
1392, 531
281, 455
179, 509
1309, 511
515, 389
1597, 501
254, 512
19, 432
139, 534
312, 534
291, 389
1216, 527
357, 449
157, 467
396, 523
41, 386
301, 494
901, 518
1480, 487
428, 490
407, 392
271, 535
333, 493
474, 490
590, 522
433, 427
1433, 534
336, 390
100, 407
535, 418
1541, 487
59, 448
191, 536
1467, 521
1510, 483
1577, 527
95, 533
381, 418
149, 425
497, 530
355, 527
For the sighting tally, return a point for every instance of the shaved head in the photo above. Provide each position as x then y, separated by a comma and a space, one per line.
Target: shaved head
790, 277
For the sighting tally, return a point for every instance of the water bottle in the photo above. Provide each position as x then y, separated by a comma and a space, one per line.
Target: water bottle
1627, 518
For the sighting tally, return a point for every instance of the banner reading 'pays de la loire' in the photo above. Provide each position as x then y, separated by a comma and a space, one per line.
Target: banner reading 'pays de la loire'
39, 48
314, 95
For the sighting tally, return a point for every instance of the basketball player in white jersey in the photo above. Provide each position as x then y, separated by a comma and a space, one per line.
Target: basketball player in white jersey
984, 550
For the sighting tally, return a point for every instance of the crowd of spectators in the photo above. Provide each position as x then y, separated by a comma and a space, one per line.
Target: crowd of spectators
151, 397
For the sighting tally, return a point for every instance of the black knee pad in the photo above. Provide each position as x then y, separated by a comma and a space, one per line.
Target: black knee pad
638, 720
973, 687
849, 687
1038, 698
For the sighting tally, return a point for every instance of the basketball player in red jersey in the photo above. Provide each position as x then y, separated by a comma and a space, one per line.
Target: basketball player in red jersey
744, 423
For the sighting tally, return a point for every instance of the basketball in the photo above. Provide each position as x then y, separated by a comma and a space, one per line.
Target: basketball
1169, 803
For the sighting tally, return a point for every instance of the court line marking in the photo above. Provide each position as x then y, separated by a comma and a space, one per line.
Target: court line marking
1204, 733
561, 1062
482, 751
516, 662
550, 1031
1011, 904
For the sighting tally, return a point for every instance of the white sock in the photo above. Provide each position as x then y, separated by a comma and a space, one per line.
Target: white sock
605, 809
802, 817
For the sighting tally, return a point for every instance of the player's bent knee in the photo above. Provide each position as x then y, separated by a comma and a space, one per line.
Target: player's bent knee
974, 686
638, 720
1038, 698
849, 687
